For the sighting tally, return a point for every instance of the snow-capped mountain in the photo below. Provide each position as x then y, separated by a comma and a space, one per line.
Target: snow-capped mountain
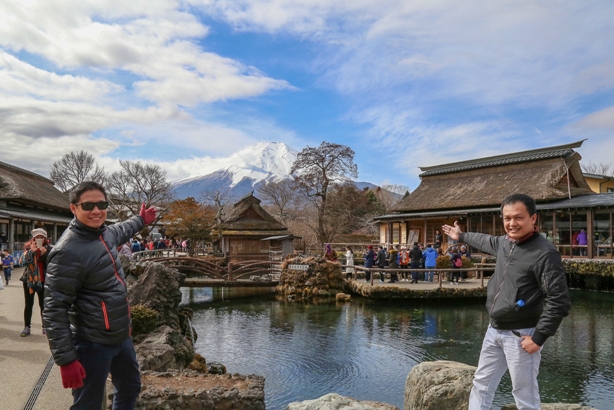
245, 171
260, 163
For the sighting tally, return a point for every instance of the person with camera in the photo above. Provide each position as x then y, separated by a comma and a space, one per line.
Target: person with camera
35, 261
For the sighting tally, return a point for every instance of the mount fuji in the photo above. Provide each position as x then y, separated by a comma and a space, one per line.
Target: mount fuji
245, 171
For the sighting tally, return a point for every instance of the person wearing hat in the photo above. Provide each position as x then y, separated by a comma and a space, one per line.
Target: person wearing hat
369, 262
35, 261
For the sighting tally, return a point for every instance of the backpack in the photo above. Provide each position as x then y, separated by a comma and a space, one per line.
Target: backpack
458, 262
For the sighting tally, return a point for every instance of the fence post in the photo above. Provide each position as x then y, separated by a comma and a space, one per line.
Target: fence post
229, 270
482, 278
440, 281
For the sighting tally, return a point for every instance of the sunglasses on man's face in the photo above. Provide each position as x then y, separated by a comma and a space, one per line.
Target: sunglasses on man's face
88, 206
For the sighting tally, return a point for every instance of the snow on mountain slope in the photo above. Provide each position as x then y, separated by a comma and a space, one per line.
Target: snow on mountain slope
241, 172
245, 171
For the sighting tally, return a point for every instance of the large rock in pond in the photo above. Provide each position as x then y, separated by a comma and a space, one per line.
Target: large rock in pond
333, 401
440, 385
319, 278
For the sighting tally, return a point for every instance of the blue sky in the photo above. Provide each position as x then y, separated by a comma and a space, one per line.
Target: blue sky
404, 83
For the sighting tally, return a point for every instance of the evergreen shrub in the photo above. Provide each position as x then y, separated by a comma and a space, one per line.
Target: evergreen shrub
144, 319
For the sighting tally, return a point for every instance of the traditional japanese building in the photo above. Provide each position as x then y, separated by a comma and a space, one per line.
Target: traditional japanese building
251, 233
29, 200
471, 192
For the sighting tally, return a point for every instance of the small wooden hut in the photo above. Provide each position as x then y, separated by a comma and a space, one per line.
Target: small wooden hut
250, 232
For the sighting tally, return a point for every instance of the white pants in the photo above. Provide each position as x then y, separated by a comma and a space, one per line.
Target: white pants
501, 351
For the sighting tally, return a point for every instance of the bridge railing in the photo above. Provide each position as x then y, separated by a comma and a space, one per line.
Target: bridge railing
479, 271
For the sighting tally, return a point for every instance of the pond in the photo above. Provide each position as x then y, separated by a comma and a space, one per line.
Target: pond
365, 349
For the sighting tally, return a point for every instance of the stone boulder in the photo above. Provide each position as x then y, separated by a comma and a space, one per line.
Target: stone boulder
553, 406
333, 401
163, 349
157, 288
440, 385
321, 278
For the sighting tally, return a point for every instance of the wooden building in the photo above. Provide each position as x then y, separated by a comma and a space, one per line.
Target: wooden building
471, 193
251, 233
29, 200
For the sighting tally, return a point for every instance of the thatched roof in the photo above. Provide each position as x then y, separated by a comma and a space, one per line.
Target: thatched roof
248, 216
30, 188
542, 174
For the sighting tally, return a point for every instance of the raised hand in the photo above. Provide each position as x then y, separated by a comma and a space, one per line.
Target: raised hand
452, 231
148, 215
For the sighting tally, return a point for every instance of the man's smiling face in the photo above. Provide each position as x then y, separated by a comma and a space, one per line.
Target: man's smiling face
94, 218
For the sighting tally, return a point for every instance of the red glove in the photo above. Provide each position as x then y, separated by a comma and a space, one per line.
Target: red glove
72, 374
148, 215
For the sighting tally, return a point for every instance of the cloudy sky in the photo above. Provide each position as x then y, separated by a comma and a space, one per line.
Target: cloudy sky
404, 83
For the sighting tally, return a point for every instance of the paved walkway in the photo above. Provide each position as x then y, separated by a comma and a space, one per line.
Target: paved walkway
23, 360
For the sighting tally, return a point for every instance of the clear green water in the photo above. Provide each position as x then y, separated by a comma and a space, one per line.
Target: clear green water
366, 349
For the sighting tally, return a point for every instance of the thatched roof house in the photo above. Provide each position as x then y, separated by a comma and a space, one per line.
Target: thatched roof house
545, 174
471, 192
250, 232
28, 200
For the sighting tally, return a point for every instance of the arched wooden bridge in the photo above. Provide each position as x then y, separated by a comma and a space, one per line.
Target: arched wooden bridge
205, 273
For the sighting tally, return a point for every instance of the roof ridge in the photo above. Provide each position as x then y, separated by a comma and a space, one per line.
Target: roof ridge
515, 157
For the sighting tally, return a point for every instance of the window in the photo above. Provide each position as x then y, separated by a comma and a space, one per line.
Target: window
545, 225
396, 230
579, 239
602, 237
562, 237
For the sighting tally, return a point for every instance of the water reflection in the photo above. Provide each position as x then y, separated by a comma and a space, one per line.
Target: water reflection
366, 349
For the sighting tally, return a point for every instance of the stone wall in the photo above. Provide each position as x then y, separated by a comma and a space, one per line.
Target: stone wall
192, 390
396, 292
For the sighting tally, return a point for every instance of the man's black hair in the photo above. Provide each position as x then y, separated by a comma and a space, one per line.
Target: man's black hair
528, 202
75, 194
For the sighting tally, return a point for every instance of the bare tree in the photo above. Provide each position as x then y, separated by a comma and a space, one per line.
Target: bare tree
220, 199
74, 168
281, 194
138, 183
598, 169
316, 170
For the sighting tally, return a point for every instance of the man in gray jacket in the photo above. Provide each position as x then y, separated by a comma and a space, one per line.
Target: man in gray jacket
527, 298
86, 312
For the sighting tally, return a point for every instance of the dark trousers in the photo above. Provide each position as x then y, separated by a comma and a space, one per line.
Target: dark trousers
29, 298
368, 275
99, 360
404, 273
415, 275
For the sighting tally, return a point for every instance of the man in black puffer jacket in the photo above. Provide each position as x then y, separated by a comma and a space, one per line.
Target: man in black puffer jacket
527, 299
86, 312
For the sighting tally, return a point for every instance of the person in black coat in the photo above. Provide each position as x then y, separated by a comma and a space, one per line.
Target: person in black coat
415, 255
381, 262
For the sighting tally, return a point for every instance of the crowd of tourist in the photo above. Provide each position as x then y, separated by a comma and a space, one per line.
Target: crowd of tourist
406, 259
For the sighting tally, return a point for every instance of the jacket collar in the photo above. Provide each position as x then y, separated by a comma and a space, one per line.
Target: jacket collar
80, 227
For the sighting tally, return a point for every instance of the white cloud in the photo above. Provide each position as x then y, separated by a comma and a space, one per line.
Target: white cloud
156, 42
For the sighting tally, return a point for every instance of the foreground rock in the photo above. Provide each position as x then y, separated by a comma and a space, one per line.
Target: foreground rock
169, 345
192, 390
445, 385
333, 401
441, 385
319, 278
